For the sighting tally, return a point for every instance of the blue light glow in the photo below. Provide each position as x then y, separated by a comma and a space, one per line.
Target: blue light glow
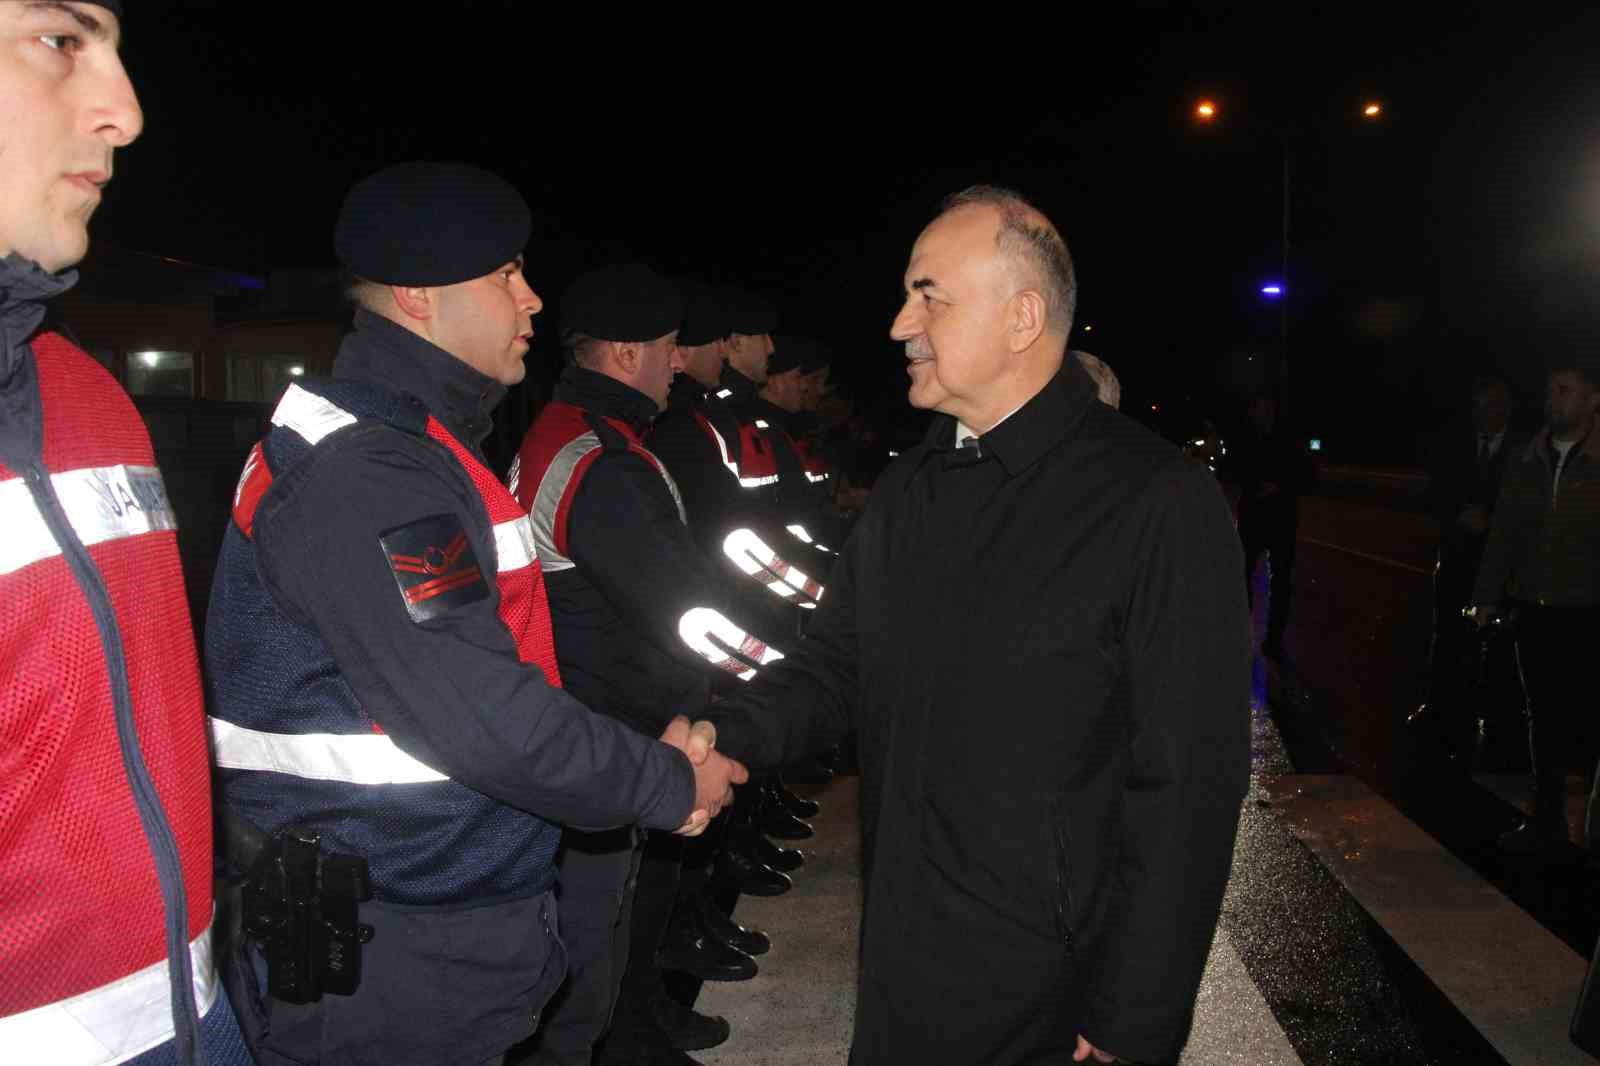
1272, 290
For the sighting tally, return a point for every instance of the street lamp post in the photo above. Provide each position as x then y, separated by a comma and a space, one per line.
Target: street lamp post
1206, 112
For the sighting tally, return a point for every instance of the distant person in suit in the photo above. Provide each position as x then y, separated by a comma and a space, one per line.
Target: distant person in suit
1464, 472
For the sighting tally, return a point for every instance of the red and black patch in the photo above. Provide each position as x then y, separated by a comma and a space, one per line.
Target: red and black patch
434, 566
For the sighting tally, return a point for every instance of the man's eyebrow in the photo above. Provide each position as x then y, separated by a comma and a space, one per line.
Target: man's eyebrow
86, 22
923, 283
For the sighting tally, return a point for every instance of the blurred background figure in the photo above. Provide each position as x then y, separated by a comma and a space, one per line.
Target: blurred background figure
1107, 389
1271, 470
1465, 465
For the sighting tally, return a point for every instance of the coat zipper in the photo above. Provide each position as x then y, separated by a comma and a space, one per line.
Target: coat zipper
158, 832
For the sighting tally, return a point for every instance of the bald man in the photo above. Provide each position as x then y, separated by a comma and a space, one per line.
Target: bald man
1035, 628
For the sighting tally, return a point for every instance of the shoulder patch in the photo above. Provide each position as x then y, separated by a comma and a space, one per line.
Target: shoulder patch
434, 566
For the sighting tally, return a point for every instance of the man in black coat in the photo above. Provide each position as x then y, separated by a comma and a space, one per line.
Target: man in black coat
1464, 471
1272, 469
1038, 628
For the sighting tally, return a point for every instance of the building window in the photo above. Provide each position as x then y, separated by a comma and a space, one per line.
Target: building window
156, 373
262, 378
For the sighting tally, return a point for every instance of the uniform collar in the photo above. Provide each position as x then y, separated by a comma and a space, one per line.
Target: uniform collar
606, 396
742, 389
1052, 415
24, 288
457, 395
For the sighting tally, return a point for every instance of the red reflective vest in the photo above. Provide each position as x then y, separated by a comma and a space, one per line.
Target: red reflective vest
80, 901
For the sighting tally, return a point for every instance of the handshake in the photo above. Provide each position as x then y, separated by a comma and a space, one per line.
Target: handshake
714, 774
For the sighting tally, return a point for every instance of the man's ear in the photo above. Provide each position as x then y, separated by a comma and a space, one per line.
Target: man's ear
627, 356
1026, 320
416, 302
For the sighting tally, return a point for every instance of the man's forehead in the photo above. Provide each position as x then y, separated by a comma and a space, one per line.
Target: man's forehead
954, 241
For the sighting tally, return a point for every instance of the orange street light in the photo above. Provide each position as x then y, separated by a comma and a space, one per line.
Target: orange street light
1205, 111
1372, 110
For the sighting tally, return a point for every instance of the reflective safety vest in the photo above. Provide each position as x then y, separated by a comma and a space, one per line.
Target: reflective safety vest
292, 742
104, 793
815, 463
561, 447
743, 451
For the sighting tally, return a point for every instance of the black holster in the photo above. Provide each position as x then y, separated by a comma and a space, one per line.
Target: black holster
300, 903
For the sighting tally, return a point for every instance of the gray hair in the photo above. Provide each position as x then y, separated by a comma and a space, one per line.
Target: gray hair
1106, 386
1037, 250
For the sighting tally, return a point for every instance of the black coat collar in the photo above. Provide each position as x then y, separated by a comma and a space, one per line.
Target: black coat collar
606, 396
1055, 413
457, 395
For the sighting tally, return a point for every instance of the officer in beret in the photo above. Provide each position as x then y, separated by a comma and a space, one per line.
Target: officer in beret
643, 628
390, 725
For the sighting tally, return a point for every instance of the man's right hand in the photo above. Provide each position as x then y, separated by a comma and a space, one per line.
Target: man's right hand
714, 774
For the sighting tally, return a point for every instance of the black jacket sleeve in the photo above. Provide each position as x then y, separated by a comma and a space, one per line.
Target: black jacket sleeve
451, 691
807, 702
717, 505
1187, 652
626, 536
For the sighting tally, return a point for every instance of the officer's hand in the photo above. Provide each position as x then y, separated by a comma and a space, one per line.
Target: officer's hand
696, 741
1086, 1050
1482, 614
713, 790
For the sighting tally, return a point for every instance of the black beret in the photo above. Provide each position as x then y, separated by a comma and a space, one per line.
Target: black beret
430, 224
704, 318
791, 353
748, 313
622, 303
818, 357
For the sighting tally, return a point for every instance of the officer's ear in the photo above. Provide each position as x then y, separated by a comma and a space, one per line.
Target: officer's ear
416, 302
627, 357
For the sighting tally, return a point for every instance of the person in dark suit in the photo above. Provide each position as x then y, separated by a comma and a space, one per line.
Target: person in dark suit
1464, 472
1272, 469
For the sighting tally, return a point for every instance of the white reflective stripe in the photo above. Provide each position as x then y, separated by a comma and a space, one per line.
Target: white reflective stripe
355, 758
310, 415
513, 544
814, 478
761, 423
723, 394
547, 499
703, 627
110, 1024
733, 468
102, 503
752, 555
800, 532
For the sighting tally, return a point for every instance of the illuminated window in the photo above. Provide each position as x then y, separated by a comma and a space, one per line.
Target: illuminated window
160, 373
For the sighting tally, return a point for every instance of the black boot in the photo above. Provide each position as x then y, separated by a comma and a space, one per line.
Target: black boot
687, 1028
724, 928
798, 806
778, 822
749, 842
689, 946
749, 876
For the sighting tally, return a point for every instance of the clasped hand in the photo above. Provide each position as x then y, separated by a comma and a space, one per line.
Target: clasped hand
714, 773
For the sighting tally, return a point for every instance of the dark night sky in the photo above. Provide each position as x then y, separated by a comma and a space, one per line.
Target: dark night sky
801, 157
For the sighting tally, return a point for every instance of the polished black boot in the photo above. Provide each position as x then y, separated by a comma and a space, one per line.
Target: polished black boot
750, 877
690, 947
724, 928
748, 841
687, 1028
798, 806
777, 822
